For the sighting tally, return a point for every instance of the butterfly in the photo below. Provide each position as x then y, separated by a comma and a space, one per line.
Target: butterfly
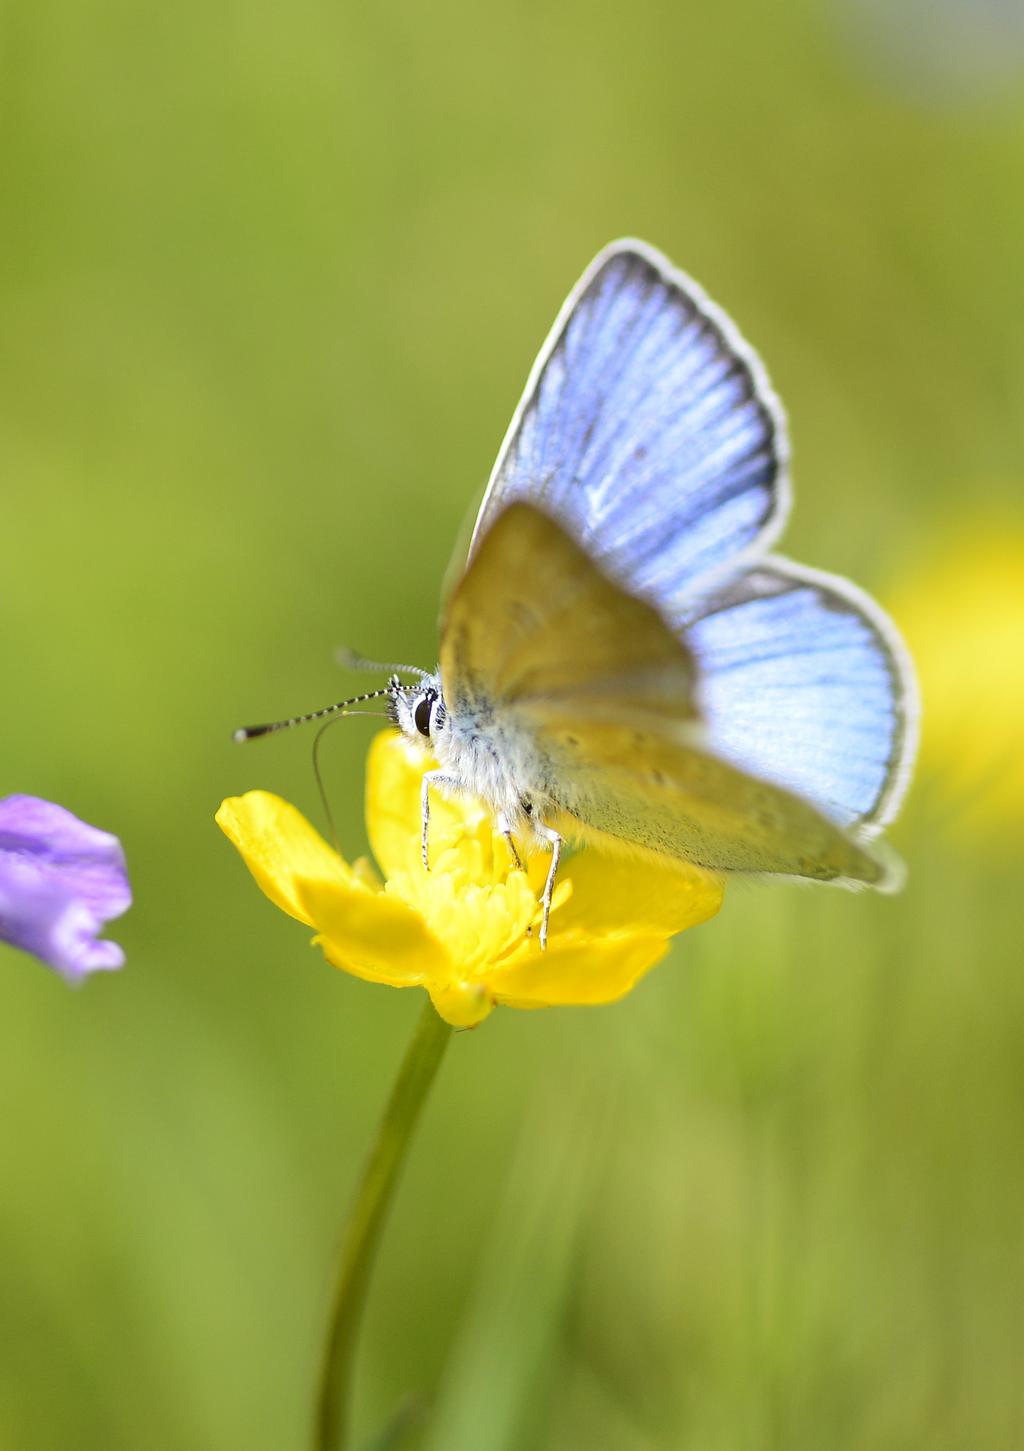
622, 660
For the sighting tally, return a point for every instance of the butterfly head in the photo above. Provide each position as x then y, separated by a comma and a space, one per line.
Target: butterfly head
418, 710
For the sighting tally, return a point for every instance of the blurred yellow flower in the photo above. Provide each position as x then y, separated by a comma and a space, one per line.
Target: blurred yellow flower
467, 930
962, 615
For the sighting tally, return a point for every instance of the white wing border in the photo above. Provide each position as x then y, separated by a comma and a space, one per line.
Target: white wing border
767, 398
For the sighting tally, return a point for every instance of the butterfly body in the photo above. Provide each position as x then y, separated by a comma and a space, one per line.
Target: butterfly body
480, 749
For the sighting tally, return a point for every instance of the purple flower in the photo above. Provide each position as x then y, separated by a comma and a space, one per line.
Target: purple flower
60, 881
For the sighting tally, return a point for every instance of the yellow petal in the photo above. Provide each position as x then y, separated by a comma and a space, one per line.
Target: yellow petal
613, 927
644, 895
394, 769
575, 968
279, 847
360, 929
373, 934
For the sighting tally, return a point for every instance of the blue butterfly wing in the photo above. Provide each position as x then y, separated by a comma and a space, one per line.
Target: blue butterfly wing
648, 428
804, 683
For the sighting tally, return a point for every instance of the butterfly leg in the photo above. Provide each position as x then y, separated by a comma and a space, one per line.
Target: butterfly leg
552, 836
506, 831
431, 778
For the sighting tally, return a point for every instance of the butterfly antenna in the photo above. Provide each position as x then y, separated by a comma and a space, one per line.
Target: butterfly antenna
321, 788
249, 733
352, 660
320, 780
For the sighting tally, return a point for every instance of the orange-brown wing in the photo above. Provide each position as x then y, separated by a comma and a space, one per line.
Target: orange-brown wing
534, 620
647, 787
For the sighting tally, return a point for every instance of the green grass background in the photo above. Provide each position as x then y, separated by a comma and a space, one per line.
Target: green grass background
271, 279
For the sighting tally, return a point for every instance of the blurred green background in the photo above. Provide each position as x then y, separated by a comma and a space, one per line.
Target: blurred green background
271, 279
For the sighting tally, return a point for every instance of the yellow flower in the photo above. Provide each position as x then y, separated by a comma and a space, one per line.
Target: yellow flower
962, 615
467, 930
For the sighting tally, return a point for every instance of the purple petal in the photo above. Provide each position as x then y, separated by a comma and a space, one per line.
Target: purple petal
60, 881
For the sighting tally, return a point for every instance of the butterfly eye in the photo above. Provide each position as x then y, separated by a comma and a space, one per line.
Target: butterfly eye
421, 714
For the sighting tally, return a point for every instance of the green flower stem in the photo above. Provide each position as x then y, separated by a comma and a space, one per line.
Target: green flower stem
362, 1230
